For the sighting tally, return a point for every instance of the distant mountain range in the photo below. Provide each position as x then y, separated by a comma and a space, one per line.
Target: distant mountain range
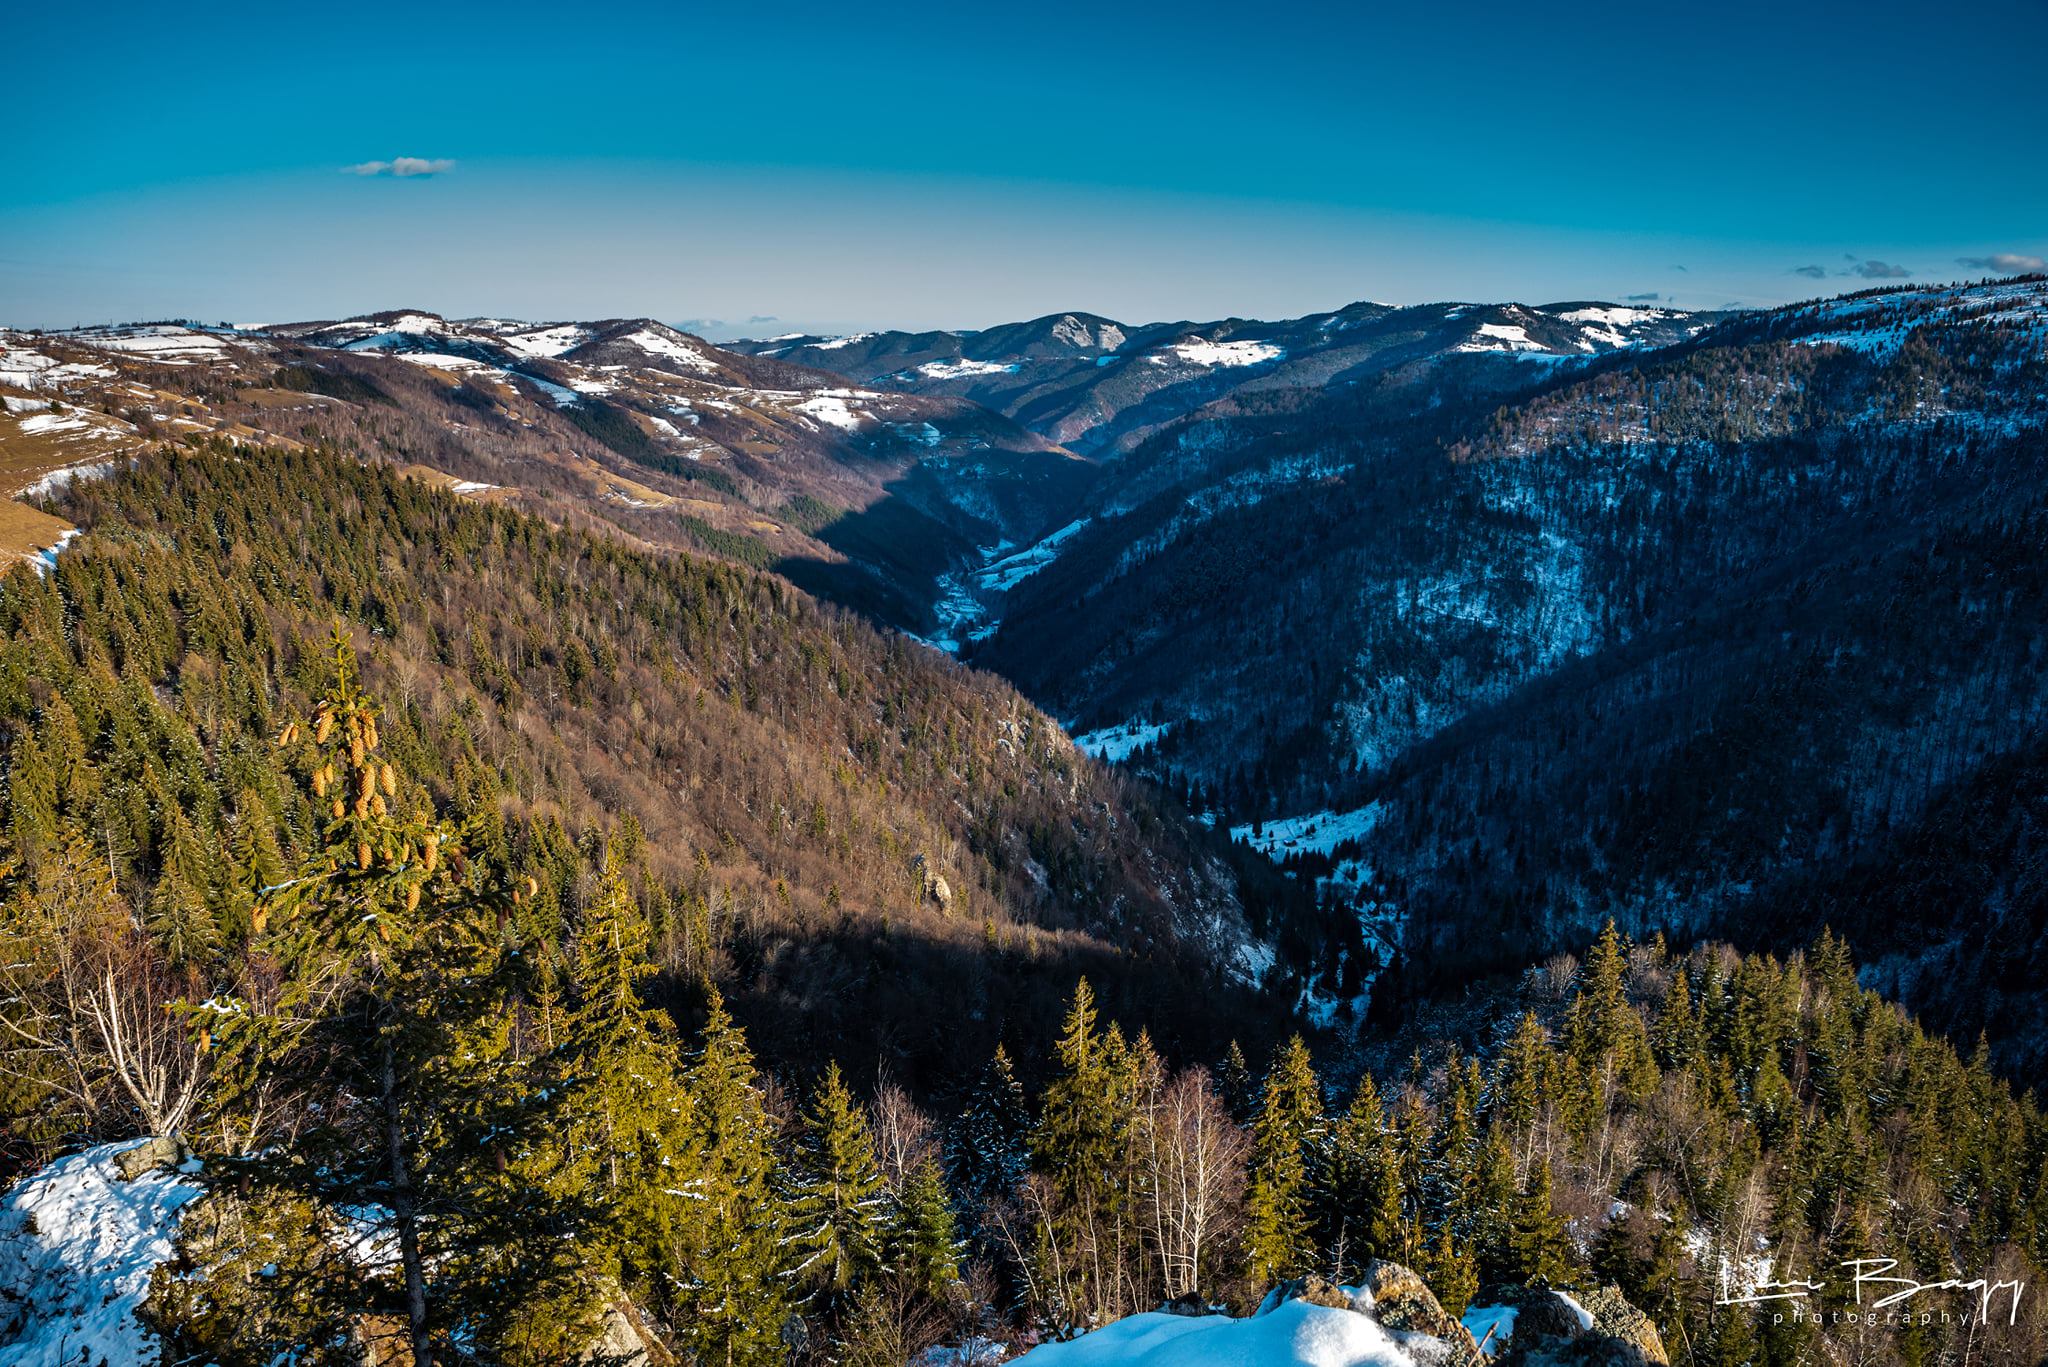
1097, 385
1487, 621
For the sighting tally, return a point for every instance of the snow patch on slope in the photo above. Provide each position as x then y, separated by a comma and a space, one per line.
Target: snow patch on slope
550, 341
1115, 744
961, 369
674, 348
1200, 351
77, 1245
560, 395
831, 409
160, 342
1499, 337
1000, 576
1316, 833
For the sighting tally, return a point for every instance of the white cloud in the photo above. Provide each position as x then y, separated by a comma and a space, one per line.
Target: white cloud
2004, 263
402, 167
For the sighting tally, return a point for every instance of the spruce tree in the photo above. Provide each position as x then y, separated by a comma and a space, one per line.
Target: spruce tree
1234, 1085
1495, 1196
1678, 1037
989, 1152
1081, 1145
1522, 1079
734, 1257
922, 1240
620, 1067
1357, 1186
838, 1212
392, 1023
1450, 1273
1280, 1239
1539, 1245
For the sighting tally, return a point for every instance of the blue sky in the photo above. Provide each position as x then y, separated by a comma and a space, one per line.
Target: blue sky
911, 165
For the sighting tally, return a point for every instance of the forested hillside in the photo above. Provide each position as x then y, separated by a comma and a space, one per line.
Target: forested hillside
1667, 632
624, 424
859, 840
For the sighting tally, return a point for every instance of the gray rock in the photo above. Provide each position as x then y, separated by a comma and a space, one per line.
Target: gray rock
1546, 1318
150, 1155
624, 1341
1405, 1306
932, 885
1314, 1290
1549, 1333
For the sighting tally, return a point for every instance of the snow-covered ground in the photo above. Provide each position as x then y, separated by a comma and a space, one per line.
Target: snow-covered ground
24, 367
1491, 1326
77, 1245
1296, 1334
560, 395
963, 368
168, 343
1201, 351
547, 341
441, 360
1499, 337
1009, 570
832, 409
1877, 325
674, 348
1115, 744
50, 483
963, 608
45, 559
1315, 833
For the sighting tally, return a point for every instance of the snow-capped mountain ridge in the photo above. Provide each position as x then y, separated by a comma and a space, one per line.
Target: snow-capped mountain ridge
1097, 384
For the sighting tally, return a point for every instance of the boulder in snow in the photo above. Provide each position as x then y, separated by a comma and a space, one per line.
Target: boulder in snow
1407, 1308
1597, 1328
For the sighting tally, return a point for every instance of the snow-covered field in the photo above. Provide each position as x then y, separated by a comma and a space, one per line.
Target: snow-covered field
831, 409
674, 348
547, 341
1200, 351
170, 344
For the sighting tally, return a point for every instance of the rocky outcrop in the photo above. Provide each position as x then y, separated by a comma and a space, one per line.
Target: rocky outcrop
1400, 1302
624, 1340
1552, 1329
1405, 1305
933, 885
1315, 1290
